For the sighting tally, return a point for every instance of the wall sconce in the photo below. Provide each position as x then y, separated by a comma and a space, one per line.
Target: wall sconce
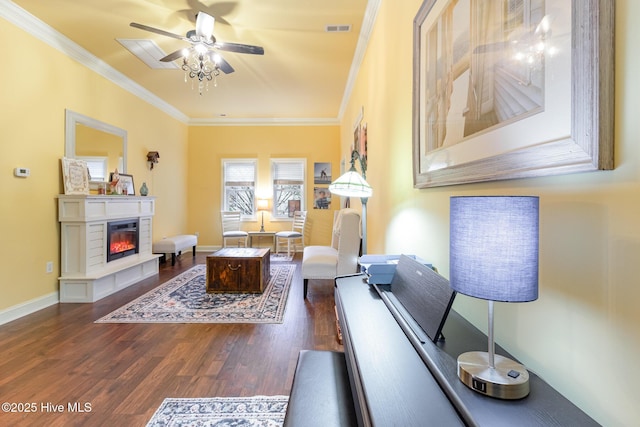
152, 157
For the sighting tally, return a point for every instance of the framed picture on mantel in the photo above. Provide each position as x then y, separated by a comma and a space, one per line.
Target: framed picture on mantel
510, 89
75, 175
125, 183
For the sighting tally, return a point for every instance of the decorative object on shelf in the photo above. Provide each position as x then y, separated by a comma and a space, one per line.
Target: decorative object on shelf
122, 183
263, 205
352, 184
152, 158
494, 256
144, 190
75, 174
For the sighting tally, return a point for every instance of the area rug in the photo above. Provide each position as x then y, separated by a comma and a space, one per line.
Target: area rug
281, 258
257, 411
184, 300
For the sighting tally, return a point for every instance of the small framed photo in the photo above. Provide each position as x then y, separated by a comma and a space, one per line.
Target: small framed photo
126, 183
322, 198
322, 173
75, 174
293, 205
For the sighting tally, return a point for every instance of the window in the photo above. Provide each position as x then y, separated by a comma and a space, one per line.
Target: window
288, 186
97, 167
239, 183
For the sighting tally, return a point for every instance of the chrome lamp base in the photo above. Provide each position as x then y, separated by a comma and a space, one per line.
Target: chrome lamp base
506, 380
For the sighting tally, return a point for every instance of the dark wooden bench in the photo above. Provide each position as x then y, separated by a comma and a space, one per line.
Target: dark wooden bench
320, 394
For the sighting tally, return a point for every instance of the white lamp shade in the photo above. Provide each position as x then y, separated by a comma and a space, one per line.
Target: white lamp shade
494, 247
263, 204
351, 184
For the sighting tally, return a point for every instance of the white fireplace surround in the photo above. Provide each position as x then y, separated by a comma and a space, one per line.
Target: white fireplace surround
86, 276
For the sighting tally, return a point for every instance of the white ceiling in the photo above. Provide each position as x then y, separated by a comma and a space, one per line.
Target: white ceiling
305, 74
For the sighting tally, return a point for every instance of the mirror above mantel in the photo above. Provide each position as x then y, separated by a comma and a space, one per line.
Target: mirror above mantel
102, 145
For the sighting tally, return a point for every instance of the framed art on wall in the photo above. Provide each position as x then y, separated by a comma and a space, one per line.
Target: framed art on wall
511, 88
322, 173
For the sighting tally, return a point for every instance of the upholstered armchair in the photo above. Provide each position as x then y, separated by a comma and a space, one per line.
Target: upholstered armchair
327, 262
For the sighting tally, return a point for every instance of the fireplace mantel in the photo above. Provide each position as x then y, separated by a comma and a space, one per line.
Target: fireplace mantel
86, 276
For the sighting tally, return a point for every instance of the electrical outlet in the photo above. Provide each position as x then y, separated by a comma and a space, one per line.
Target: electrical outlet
197, 233
50, 267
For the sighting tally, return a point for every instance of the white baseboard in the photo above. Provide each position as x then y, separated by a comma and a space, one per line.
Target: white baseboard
207, 248
17, 311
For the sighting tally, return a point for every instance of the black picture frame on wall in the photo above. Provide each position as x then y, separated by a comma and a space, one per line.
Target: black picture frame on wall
570, 131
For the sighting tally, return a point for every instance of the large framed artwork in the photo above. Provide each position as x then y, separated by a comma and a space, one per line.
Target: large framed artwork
507, 89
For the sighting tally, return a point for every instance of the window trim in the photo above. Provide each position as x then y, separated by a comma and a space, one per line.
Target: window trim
303, 203
224, 163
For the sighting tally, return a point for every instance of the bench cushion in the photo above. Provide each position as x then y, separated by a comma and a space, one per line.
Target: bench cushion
319, 262
174, 244
320, 394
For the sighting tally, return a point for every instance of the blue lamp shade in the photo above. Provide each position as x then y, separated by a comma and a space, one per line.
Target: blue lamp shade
494, 247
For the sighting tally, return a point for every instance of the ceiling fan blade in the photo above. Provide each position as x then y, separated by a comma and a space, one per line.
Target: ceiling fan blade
222, 63
174, 55
157, 31
204, 25
219, 10
240, 48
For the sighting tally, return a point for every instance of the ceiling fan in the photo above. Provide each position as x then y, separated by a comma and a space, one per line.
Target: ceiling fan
203, 46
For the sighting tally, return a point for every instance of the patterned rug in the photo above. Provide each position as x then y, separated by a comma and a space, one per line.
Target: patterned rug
281, 258
257, 411
184, 299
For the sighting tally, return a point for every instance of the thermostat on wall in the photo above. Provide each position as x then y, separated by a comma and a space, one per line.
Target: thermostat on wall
21, 172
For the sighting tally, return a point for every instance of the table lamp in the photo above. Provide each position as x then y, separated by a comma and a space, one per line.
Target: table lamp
263, 205
494, 256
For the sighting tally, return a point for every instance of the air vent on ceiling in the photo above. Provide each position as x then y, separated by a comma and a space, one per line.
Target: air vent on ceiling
148, 52
337, 28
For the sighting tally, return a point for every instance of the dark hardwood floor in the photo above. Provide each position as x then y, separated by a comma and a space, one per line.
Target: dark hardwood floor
120, 373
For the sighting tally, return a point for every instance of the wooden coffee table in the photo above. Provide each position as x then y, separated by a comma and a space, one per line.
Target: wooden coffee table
232, 270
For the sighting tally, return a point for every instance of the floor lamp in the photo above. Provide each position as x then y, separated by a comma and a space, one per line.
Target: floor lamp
352, 184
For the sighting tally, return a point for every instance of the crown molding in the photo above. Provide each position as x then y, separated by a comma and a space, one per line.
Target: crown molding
37, 28
370, 15
264, 122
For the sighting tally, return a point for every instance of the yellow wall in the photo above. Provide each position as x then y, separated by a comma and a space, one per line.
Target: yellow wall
209, 145
581, 335
35, 94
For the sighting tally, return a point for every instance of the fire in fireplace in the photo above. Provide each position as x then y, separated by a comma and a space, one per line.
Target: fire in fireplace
122, 238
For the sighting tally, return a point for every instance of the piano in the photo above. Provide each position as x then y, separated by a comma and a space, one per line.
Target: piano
401, 354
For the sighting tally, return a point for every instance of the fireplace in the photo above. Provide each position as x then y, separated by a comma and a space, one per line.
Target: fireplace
122, 238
